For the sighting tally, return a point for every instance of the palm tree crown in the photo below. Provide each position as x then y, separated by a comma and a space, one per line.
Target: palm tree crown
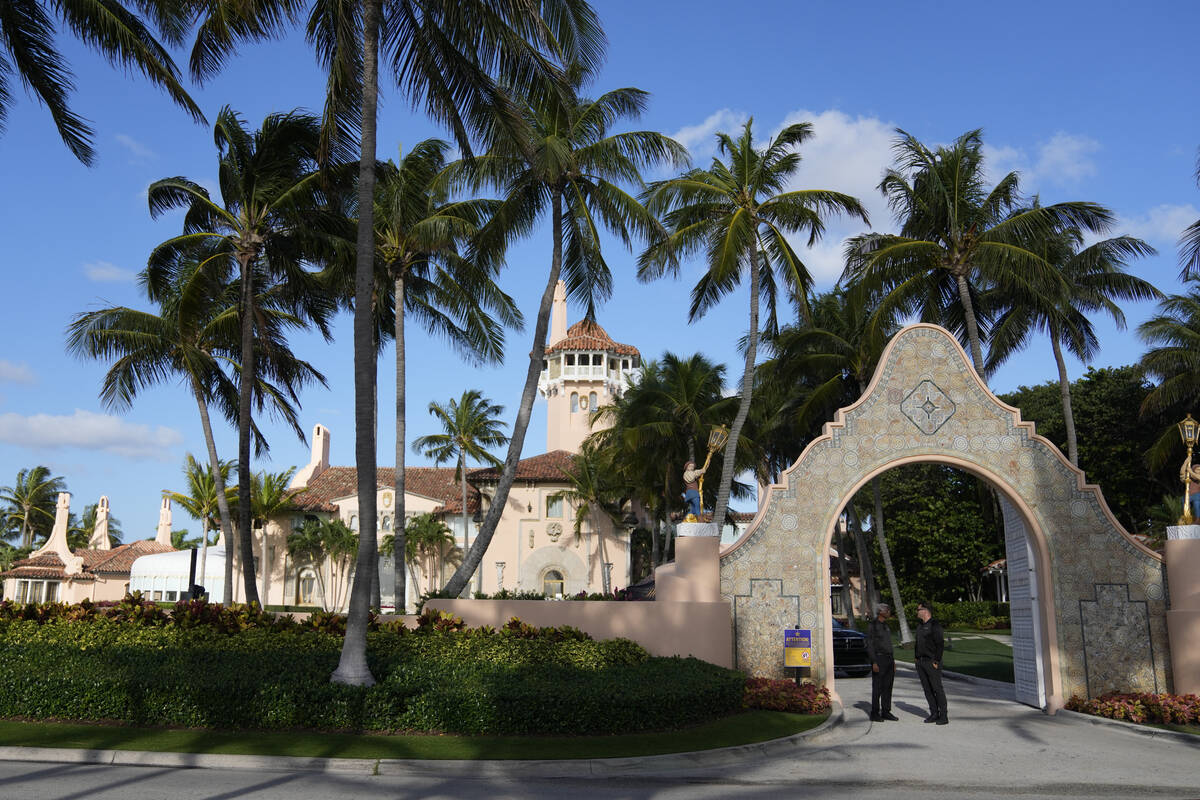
737, 215
31, 501
28, 33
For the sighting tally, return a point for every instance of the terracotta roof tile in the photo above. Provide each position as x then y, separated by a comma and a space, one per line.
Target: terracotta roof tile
547, 467
118, 560
588, 335
436, 483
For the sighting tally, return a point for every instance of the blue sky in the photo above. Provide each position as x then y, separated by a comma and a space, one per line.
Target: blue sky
1089, 101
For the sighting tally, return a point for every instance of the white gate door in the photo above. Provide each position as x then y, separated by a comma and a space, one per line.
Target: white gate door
1023, 607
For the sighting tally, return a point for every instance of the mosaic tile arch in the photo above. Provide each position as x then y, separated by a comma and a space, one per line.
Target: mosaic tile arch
926, 403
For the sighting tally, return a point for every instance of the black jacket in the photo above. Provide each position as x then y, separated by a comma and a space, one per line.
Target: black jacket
930, 641
879, 641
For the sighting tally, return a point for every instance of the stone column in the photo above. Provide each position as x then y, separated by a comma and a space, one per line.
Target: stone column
1183, 617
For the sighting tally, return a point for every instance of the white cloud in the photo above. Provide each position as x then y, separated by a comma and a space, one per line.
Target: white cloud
140, 152
700, 140
105, 272
1065, 158
1161, 225
11, 372
88, 430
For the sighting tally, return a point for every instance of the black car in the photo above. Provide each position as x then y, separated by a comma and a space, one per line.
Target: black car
849, 650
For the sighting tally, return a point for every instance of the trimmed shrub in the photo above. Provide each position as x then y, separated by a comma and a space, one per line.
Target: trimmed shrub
785, 695
138, 667
982, 614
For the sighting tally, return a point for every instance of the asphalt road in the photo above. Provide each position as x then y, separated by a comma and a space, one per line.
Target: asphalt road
992, 747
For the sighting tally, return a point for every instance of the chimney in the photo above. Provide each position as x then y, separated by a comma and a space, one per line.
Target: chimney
164, 523
558, 314
318, 462
99, 539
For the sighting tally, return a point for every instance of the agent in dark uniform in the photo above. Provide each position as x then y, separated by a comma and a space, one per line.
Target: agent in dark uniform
928, 655
883, 664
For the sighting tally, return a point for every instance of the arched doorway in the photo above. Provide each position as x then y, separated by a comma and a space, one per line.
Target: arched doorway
1093, 616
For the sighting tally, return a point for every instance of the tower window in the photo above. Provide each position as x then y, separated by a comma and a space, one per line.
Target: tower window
592, 401
597, 360
553, 584
574, 402
570, 359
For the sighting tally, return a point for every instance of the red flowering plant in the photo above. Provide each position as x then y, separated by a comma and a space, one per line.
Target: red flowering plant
785, 695
1178, 709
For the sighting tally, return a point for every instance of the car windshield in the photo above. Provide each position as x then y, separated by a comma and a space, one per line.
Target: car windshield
837, 623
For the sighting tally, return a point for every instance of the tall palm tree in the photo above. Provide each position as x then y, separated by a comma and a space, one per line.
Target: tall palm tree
1093, 278
194, 338
596, 490
563, 161
956, 237
444, 55
328, 546
270, 193
1189, 244
469, 428
31, 501
29, 32
423, 273
1173, 335
738, 214
202, 501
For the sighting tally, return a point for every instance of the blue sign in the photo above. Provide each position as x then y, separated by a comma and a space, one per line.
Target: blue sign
797, 647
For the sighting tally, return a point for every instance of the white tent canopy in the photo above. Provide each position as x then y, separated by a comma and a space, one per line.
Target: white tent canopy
164, 576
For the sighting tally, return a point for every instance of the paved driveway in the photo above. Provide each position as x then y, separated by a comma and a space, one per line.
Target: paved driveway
992, 747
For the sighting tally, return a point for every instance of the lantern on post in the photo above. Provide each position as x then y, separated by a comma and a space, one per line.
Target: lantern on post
1189, 432
717, 438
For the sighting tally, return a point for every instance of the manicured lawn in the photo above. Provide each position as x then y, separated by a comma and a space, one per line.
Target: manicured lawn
1192, 729
745, 728
983, 658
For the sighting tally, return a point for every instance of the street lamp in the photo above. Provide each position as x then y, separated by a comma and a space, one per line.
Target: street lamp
1189, 431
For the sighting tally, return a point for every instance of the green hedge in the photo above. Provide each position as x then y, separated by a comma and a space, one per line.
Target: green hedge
471, 682
972, 613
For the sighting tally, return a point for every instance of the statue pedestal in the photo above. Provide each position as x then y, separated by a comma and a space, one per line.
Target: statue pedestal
695, 575
1182, 557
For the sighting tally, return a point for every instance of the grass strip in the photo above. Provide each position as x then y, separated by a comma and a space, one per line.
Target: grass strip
1192, 729
746, 728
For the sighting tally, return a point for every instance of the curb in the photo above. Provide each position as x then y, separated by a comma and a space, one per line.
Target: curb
723, 756
1079, 718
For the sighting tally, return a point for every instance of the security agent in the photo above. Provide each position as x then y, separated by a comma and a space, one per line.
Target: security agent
883, 664
928, 655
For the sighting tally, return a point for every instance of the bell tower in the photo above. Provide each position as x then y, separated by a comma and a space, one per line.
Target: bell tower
583, 370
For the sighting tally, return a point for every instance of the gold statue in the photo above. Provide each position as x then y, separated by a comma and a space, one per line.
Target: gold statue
1189, 431
693, 479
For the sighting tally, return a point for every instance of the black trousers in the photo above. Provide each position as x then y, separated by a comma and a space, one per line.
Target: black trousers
931, 682
881, 686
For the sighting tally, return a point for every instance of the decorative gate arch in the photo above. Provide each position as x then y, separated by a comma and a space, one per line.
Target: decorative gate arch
1088, 601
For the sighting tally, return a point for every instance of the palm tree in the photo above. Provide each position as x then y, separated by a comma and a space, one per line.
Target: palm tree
656, 424
31, 501
29, 34
562, 160
443, 54
182, 540
596, 491
470, 427
419, 240
1090, 280
1173, 335
194, 338
269, 499
956, 237
738, 215
1189, 244
202, 501
269, 195
329, 547
428, 541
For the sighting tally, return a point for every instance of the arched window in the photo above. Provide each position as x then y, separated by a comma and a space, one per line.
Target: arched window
386, 524
592, 401
306, 587
354, 522
574, 402
553, 584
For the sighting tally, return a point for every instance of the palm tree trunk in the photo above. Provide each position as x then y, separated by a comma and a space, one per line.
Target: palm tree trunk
219, 487
844, 574
905, 633
866, 568
964, 297
245, 387
1064, 385
484, 537
465, 519
399, 536
744, 406
352, 666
